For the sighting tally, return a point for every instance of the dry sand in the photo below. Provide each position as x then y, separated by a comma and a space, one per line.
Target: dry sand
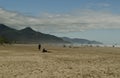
25, 61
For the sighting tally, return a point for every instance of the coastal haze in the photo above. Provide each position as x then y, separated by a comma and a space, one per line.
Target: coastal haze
59, 39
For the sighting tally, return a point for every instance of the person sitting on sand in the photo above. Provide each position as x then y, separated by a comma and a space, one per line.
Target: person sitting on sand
44, 50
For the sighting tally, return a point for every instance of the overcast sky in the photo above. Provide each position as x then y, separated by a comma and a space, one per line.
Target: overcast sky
90, 19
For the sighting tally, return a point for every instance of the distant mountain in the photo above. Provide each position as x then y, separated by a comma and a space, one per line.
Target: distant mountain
80, 41
28, 35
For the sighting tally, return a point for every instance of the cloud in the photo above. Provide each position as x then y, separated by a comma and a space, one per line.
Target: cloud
104, 5
73, 22
98, 5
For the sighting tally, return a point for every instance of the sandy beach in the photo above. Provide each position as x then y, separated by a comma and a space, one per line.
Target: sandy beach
26, 61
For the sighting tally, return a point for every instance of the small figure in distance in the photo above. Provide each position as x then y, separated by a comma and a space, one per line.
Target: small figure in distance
39, 46
64, 46
113, 46
44, 50
70, 47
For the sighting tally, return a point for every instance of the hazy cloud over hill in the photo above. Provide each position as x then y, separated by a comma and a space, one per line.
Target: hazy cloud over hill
75, 21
